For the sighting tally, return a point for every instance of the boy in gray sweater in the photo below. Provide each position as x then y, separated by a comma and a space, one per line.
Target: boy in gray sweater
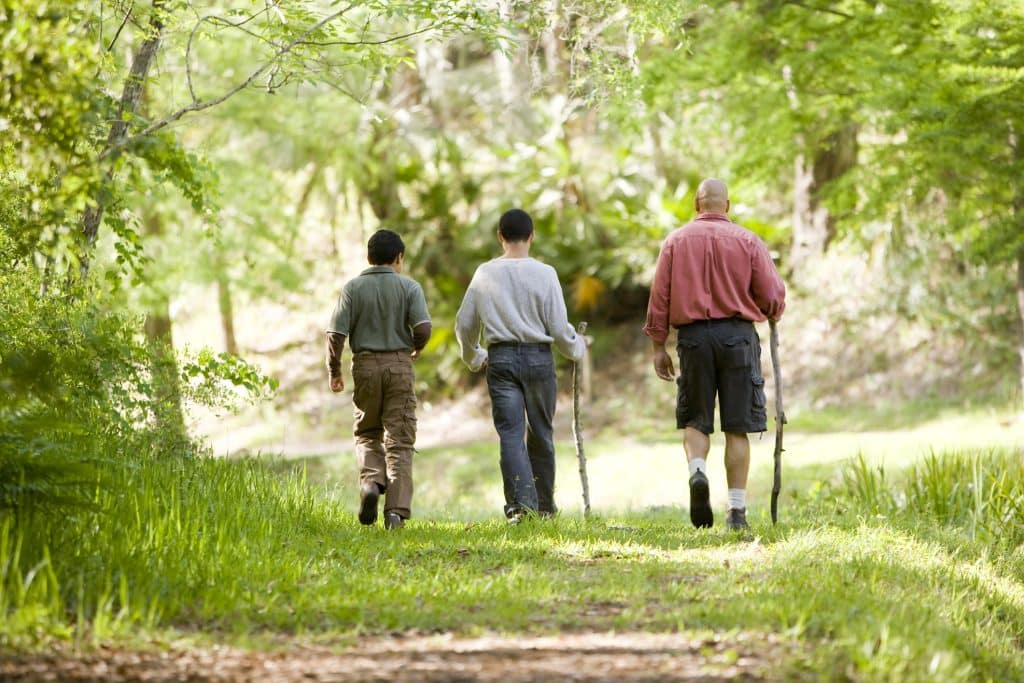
515, 304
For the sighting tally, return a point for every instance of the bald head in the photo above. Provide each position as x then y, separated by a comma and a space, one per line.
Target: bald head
712, 195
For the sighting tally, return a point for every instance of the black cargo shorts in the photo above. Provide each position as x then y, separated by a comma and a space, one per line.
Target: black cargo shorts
720, 357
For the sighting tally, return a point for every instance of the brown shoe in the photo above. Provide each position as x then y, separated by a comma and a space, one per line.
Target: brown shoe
369, 493
736, 519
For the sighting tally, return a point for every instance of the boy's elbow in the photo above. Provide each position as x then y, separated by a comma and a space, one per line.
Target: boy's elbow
421, 335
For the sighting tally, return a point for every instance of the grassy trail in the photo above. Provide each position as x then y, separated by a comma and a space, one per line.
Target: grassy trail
254, 573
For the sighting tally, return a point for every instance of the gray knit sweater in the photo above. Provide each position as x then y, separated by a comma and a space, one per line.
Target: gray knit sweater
514, 300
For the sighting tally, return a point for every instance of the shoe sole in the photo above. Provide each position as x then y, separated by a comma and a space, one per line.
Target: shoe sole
368, 508
700, 505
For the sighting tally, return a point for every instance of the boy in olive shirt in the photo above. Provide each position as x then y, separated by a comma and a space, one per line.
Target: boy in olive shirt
384, 315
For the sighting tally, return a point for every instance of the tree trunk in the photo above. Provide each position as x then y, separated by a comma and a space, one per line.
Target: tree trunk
1020, 310
170, 419
814, 226
131, 95
227, 312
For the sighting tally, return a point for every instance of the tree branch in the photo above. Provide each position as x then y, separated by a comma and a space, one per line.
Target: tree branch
199, 105
131, 94
828, 10
383, 41
127, 16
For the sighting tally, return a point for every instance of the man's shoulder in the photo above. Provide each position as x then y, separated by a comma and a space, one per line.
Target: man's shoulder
745, 234
727, 228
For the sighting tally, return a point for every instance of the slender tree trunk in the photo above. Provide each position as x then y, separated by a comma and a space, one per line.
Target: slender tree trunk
170, 419
814, 226
131, 95
1020, 310
227, 312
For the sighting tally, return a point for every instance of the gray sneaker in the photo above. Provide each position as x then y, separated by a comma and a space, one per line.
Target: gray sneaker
736, 519
393, 520
700, 501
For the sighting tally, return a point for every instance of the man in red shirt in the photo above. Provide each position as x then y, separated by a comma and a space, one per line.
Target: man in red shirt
714, 279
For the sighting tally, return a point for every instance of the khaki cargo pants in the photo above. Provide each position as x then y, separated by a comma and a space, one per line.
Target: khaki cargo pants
385, 424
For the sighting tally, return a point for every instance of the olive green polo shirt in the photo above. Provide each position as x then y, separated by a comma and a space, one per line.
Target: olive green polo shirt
378, 309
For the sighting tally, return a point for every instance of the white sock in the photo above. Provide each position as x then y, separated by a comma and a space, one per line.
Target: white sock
737, 499
698, 464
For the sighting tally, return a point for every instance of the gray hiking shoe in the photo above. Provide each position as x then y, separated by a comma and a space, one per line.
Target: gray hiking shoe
700, 501
393, 520
736, 519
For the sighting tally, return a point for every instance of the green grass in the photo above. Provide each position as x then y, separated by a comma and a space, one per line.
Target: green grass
910, 575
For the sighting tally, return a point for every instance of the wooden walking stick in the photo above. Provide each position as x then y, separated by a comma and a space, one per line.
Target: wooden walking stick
780, 420
577, 433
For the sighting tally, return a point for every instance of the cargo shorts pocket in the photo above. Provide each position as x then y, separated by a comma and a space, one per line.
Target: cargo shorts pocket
736, 353
682, 404
758, 402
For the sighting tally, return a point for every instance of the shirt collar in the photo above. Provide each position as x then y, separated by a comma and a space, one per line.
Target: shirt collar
378, 269
712, 216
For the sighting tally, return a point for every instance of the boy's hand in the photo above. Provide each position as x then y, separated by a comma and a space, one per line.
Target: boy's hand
337, 384
415, 354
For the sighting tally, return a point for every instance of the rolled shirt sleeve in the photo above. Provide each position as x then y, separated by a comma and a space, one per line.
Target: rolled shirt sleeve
657, 323
766, 285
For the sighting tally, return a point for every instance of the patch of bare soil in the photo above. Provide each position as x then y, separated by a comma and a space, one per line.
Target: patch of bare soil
580, 657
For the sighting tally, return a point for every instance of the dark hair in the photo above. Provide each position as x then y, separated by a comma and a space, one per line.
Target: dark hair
384, 247
515, 225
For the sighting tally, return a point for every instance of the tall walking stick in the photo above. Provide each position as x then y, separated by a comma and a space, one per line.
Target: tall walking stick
577, 433
780, 420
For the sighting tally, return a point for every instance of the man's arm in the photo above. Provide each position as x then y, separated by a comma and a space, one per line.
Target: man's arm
766, 284
335, 346
467, 330
657, 323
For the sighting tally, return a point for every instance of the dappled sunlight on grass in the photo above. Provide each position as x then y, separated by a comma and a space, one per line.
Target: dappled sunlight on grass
237, 548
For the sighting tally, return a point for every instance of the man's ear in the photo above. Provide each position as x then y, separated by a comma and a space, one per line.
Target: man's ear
728, 205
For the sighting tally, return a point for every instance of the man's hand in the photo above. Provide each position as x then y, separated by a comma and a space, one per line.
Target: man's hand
415, 354
337, 384
663, 365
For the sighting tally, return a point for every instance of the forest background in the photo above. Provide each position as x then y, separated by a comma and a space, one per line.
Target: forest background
185, 186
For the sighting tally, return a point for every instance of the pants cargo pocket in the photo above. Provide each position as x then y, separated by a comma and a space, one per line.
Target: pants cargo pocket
758, 411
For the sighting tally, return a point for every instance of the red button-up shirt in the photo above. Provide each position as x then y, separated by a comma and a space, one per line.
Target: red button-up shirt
712, 268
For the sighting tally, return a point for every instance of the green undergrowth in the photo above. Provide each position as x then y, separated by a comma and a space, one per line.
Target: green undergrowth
236, 551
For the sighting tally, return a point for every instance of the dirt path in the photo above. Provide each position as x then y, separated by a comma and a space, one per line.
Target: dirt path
577, 657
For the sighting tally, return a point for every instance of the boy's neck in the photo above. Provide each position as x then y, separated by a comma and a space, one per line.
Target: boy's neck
516, 250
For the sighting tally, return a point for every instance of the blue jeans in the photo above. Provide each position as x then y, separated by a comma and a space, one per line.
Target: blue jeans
521, 382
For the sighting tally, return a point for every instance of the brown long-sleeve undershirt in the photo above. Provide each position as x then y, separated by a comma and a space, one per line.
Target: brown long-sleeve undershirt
336, 344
